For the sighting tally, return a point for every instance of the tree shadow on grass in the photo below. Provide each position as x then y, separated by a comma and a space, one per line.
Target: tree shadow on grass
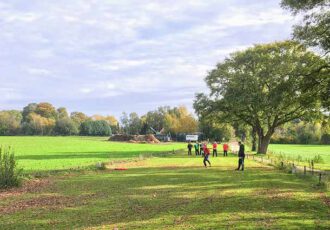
208, 198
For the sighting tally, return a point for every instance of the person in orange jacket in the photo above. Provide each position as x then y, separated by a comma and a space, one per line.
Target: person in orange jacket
215, 151
206, 155
225, 149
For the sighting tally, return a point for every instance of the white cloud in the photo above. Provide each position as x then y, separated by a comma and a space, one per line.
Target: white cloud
86, 90
238, 17
117, 64
38, 71
8, 93
43, 53
20, 17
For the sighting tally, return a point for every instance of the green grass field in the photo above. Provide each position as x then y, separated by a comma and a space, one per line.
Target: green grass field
166, 191
173, 192
57, 153
305, 152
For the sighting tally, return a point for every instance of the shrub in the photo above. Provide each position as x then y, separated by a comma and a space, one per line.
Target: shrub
65, 126
95, 128
9, 175
299, 158
318, 159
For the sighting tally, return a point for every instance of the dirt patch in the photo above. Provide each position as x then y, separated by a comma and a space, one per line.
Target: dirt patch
325, 199
135, 138
181, 220
130, 164
273, 193
45, 201
31, 186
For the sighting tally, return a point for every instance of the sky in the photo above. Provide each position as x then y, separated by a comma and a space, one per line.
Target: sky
110, 56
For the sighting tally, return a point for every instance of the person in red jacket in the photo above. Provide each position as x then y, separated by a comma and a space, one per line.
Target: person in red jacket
215, 151
206, 155
225, 149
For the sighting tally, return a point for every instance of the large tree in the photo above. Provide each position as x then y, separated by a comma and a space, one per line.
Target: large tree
179, 120
66, 126
131, 124
46, 110
265, 86
62, 113
79, 117
111, 120
156, 118
215, 130
10, 122
30, 108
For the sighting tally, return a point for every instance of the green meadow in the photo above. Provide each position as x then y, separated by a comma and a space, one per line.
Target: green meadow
304, 153
40, 153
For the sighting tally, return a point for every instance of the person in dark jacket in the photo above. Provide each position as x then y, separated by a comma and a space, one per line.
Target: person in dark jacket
189, 146
241, 156
201, 152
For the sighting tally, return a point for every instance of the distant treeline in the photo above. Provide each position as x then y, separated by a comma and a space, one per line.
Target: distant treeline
44, 119
302, 132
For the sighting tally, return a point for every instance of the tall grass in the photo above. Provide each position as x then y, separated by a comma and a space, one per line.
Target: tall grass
9, 174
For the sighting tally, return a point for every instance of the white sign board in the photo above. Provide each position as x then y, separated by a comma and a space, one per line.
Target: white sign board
191, 137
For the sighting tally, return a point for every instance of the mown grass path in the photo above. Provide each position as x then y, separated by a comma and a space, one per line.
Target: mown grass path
173, 192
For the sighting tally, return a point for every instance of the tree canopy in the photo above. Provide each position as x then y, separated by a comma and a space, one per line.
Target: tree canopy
265, 86
314, 30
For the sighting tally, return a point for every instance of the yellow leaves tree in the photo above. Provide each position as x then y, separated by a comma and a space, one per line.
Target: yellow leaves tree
45, 109
111, 120
78, 117
10, 122
179, 120
41, 125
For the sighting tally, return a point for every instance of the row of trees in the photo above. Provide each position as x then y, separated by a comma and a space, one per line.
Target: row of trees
268, 85
302, 132
166, 119
45, 119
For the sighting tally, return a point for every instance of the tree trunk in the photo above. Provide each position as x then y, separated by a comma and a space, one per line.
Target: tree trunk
263, 144
254, 139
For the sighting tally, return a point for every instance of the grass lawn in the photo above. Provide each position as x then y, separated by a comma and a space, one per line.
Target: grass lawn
305, 152
35, 153
173, 192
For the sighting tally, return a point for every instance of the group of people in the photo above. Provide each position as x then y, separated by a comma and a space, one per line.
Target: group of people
202, 150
